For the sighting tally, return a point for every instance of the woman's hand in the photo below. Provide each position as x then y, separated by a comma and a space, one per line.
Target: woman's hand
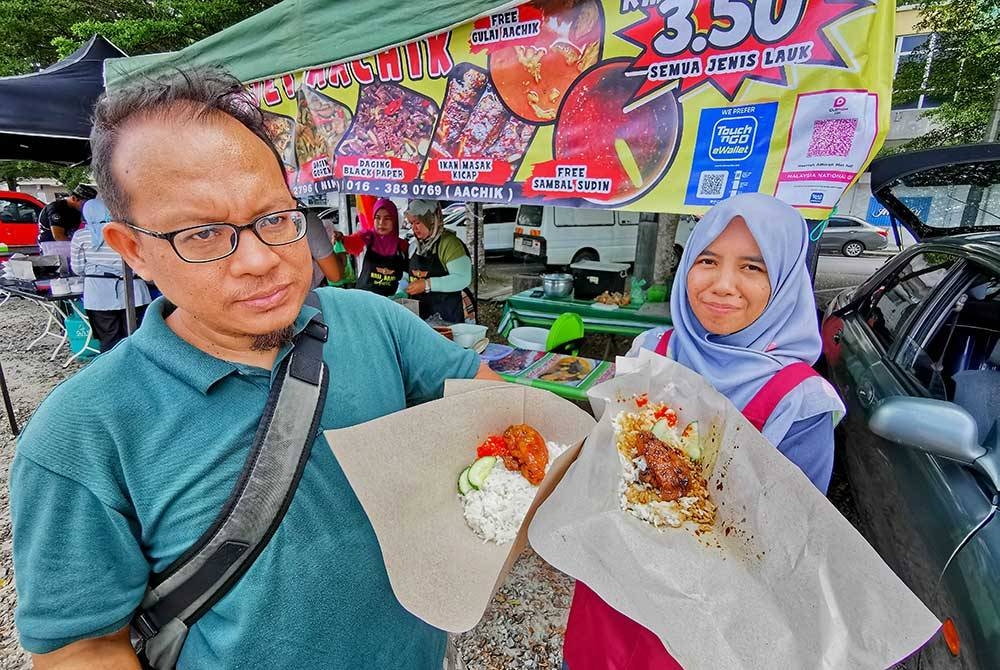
338, 236
416, 287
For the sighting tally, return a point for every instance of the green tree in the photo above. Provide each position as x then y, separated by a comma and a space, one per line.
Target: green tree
11, 171
37, 33
30, 28
963, 73
160, 25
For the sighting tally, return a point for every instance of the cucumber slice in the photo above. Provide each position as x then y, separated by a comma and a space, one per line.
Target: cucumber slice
664, 433
463, 482
480, 470
691, 441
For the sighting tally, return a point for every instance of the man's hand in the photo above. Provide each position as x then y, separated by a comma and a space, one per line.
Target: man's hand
416, 287
110, 652
486, 373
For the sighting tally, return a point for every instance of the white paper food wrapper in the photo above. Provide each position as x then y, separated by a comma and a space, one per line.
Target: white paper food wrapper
404, 468
783, 580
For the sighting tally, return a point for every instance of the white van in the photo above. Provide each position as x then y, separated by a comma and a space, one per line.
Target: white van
565, 235
498, 226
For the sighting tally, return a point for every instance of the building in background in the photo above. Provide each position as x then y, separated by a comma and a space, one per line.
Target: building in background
906, 121
42, 188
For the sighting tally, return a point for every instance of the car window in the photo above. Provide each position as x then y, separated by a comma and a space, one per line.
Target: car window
499, 215
529, 215
836, 223
566, 217
17, 211
966, 338
887, 308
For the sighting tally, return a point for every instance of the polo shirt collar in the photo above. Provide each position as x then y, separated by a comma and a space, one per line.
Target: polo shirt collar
185, 361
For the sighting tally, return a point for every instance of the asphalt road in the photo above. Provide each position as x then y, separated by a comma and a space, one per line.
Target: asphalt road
836, 273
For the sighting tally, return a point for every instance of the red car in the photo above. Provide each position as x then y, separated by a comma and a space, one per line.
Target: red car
19, 220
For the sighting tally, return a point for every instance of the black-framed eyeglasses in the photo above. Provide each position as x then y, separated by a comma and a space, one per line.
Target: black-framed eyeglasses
214, 241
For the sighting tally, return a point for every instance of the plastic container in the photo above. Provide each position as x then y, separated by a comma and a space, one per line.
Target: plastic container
495, 352
528, 337
467, 334
637, 294
591, 279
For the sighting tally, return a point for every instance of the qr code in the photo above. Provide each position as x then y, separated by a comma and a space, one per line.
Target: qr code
832, 137
712, 184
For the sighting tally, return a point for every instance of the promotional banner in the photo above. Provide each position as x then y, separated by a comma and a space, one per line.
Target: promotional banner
664, 106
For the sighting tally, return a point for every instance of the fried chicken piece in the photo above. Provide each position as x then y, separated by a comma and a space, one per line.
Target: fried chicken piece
668, 469
526, 452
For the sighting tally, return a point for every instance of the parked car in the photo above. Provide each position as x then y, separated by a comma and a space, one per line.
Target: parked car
19, 220
498, 225
915, 353
852, 236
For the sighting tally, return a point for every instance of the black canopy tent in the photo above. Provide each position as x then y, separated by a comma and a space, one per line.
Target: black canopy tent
46, 115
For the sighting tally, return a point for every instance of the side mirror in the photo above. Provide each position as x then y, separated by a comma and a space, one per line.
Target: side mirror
938, 427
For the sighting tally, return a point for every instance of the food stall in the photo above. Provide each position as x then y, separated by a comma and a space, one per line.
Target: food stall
566, 103
593, 104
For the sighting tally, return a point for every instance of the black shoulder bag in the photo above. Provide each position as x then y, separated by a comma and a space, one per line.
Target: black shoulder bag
181, 594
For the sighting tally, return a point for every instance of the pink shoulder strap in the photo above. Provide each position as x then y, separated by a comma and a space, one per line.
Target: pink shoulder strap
760, 407
661, 346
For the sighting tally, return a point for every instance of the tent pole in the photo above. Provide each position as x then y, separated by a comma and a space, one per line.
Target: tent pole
8, 404
129, 299
478, 215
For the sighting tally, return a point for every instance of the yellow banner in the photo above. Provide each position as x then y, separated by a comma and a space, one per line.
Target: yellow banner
647, 106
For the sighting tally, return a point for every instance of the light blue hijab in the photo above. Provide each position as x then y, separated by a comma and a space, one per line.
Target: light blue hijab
96, 214
738, 365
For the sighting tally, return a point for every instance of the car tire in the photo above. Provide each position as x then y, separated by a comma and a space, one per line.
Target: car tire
853, 249
585, 255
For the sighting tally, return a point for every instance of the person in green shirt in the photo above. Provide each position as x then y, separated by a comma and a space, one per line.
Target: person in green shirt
126, 464
440, 267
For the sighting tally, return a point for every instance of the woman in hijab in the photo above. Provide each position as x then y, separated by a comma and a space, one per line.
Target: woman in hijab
103, 284
440, 268
384, 251
744, 317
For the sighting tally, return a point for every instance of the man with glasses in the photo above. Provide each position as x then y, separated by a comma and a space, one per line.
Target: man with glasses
107, 491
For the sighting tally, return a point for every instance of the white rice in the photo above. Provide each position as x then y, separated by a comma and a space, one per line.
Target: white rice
673, 513
496, 511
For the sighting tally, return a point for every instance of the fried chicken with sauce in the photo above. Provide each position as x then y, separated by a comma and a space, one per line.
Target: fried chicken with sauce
526, 452
668, 469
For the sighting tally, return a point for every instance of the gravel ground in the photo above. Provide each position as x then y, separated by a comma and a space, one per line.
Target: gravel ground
522, 628
30, 376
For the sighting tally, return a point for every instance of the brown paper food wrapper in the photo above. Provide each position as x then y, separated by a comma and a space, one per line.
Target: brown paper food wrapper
782, 580
404, 469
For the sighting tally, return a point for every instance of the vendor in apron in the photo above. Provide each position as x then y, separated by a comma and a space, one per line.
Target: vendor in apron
384, 251
440, 267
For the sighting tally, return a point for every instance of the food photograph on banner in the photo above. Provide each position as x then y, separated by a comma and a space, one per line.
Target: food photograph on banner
586, 103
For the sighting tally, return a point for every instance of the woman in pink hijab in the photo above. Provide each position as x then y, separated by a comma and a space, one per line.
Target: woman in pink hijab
385, 252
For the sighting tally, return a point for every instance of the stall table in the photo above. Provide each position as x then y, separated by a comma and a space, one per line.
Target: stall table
56, 307
531, 308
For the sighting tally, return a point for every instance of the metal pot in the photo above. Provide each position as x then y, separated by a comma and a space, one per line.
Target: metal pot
558, 285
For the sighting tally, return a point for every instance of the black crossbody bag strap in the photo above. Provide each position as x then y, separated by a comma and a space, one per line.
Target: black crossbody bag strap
180, 595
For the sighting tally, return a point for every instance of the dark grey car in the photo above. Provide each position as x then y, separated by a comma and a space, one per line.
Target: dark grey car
915, 353
852, 236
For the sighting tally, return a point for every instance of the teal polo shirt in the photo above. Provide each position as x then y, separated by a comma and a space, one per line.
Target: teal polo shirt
127, 463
